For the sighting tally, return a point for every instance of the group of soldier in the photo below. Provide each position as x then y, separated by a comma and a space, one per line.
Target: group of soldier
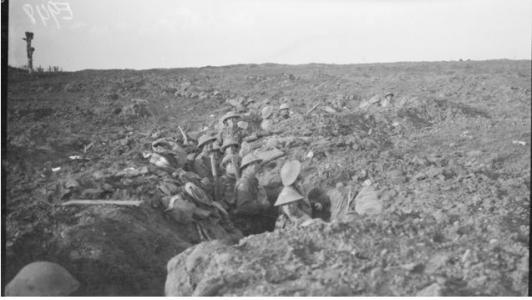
220, 171
233, 172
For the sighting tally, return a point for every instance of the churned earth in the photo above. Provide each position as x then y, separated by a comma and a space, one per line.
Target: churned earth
448, 159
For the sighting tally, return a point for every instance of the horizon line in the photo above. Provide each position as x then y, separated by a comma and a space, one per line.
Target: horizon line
287, 64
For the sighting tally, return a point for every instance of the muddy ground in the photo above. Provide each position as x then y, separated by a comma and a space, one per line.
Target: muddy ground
450, 159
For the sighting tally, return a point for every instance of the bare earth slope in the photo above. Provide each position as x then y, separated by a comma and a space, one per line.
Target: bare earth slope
453, 174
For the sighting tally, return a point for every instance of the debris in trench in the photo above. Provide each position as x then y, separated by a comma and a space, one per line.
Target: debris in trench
368, 202
103, 202
132, 172
329, 109
312, 108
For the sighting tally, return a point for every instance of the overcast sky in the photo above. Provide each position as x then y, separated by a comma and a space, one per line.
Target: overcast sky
135, 34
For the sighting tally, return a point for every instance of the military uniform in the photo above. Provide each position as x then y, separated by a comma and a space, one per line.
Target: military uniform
202, 165
250, 197
252, 205
202, 162
284, 111
226, 184
246, 192
227, 190
253, 211
230, 134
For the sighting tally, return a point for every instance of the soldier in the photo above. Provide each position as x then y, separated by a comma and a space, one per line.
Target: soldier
253, 210
388, 97
267, 122
226, 184
214, 153
294, 206
267, 125
216, 150
230, 131
229, 148
171, 150
284, 111
229, 122
250, 197
244, 130
320, 203
202, 162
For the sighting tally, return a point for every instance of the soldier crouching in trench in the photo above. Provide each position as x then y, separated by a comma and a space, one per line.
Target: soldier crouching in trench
253, 209
202, 162
294, 207
227, 183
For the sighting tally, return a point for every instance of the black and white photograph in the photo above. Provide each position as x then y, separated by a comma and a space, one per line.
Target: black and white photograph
266, 148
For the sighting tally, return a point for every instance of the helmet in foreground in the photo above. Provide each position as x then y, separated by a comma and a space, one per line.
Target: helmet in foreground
42, 278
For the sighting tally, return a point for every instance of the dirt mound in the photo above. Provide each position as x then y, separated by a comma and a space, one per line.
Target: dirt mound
344, 259
424, 113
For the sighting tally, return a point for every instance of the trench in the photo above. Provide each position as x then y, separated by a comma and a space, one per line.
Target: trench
263, 222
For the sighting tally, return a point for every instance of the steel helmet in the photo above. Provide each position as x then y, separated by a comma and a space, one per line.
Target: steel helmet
42, 278
288, 195
249, 159
230, 115
290, 171
204, 139
229, 141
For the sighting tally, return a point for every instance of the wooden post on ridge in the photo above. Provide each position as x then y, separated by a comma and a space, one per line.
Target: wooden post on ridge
29, 50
